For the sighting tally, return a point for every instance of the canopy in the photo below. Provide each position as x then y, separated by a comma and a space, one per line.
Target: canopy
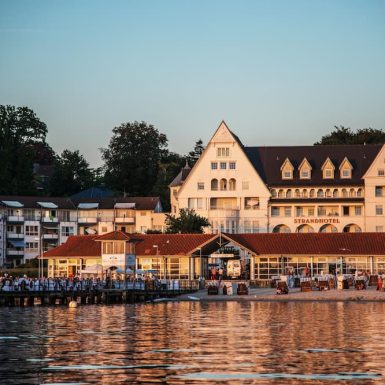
15, 204
47, 205
124, 205
121, 271
16, 243
88, 206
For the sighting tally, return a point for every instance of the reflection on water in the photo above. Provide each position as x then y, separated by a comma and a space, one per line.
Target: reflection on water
194, 343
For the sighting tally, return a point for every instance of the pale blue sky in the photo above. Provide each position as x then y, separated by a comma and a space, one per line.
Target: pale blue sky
278, 72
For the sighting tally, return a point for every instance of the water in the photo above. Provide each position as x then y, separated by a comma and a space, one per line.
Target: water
194, 343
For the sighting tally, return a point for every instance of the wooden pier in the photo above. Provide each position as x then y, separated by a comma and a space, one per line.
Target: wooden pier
93, 296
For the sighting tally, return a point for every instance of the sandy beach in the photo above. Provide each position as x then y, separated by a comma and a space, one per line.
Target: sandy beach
269, 294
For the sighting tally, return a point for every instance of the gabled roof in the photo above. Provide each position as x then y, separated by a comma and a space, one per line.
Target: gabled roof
113, 236
77, 246
181, 177
312, 243
268, 161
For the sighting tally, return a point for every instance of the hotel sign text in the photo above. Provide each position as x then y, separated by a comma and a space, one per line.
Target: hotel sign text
316, 220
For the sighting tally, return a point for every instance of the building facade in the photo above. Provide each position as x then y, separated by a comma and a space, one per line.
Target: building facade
30, 226
331, 188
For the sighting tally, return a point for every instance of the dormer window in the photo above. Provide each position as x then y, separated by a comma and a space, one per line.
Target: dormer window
346, 169
305, 169
287, 169
328, 169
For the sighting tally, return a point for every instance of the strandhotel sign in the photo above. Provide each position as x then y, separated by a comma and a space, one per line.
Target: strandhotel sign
316, 220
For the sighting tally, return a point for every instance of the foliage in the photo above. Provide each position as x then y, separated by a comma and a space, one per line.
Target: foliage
20, 131
188, 221
194, 155
345, 135
71, 174
132, 158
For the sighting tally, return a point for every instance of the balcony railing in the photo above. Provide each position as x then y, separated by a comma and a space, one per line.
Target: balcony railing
50, 220
223, 212
50, 236
15, 252
125, 220
87, 220
15, 218
12, 235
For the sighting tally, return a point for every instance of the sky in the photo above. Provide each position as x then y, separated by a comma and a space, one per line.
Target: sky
279, 72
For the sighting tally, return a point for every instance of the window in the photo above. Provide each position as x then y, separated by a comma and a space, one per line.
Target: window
287, 174
223, 185
29, 214
379, 210
66, 231
223, 165
232, 165
245, 185
345, 211
251, 203
191, 203
31, 247
305, 174
288, 194
274, 211
287, 211
143, 213
346, 173
232, 184
223, 151
119, 247
107, 248
299, 211
64, 215
378, 191
381, 172
199, 203
320, 193
104, 229
310, 212
357, 210
201, 186
379, 229
31, 230
214, 165
214, 184
328, 173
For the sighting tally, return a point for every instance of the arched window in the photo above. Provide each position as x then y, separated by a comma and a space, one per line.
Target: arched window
214, 184
273, 193
288, 194
352, 193
223, 184
297, 193
344, 193
304, 193
320, 193
281, 194
312, 193
232, 184
328, 193
360, 192
335, 193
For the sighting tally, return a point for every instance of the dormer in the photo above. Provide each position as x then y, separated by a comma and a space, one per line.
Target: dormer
304, 169
287, 169
328, 169
346, 169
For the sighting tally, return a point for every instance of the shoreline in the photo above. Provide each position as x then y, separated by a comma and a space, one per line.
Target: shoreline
295, 295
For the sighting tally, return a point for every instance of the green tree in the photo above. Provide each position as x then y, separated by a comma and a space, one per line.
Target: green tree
71, 174
20, 131
132, 158
345, 135
194, 155
188, 222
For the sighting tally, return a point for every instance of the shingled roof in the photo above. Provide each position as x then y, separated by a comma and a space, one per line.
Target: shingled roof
312, 243
77, 246
268, 161
32, 201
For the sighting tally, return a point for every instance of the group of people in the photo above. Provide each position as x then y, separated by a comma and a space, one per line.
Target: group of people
216, 273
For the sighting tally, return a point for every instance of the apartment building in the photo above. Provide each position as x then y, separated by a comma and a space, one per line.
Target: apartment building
244, 189
32, 225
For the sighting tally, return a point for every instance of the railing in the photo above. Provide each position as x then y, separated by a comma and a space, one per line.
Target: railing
84, 285
87, 220
50, 236
124, 220
15, 252
15, 218
14, 235
50, 220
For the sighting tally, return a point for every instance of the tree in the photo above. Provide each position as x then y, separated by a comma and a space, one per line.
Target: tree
194, 155
132, 157
20, 131
345, 135
188, 222
71, 174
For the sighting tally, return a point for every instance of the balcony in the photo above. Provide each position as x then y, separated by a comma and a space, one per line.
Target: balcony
15, 252
50, 220
86, 221
124, 220
15, 219
50, 236
13, 235
216, 212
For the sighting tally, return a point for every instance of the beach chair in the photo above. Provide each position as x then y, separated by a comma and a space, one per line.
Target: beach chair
212, 290
360, 284
306, 284
323, 285
282, 288
242, 289
373, 279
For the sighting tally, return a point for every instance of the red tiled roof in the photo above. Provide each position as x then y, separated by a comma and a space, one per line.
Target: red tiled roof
313, 243
113, 236
77, 246
171, 244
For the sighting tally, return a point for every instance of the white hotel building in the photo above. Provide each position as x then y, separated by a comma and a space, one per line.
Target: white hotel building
331, 188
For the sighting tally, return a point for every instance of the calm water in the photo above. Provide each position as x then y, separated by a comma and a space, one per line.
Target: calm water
194, 343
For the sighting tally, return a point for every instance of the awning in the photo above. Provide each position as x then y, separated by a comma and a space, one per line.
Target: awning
90, 231
16, 243
88, 206
47, 205
124, 205
15, 204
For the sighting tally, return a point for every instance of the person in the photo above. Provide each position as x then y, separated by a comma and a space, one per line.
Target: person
214, 273
379, 283
220, 272
306, 271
